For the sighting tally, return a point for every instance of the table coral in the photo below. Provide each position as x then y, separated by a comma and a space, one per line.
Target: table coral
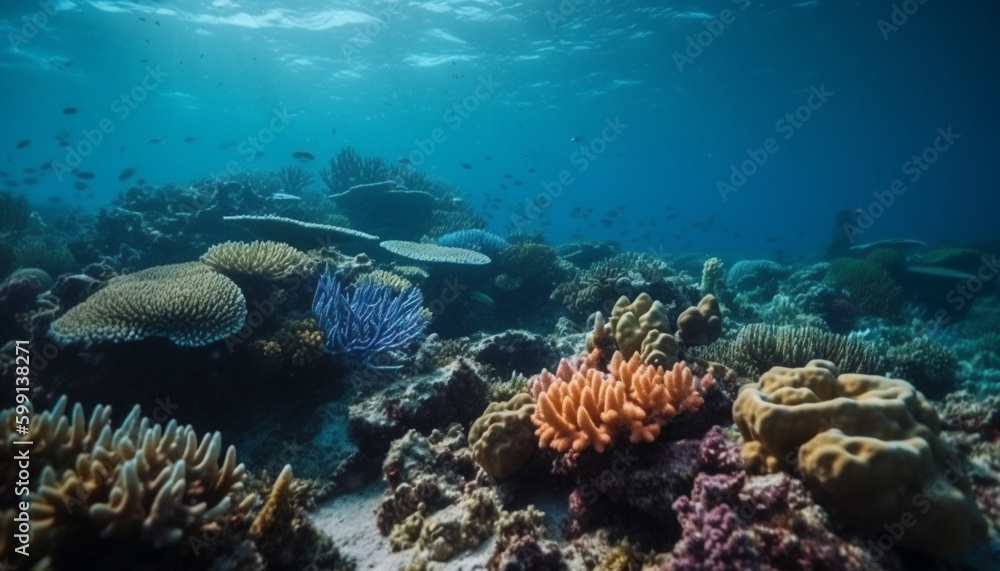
190, 304
867, 446
591, 409
267, 260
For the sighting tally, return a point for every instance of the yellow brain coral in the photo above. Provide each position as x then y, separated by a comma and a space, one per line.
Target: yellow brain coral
268, 260
868, 446
190, 304
593, 409
641, 326
502, 438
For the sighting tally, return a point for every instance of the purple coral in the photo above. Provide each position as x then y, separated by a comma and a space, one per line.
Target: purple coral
369, 321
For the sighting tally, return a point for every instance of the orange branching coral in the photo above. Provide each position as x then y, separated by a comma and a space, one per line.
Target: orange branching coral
583, 408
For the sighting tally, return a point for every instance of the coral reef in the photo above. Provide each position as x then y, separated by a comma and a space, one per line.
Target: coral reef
735, 521
15, 213
48, 253
503, 437
140, 481
871, 287
712, 274
865, 445
930, 367
267, 260
760, 346
474, 239
369, 322
297, 233
454, 393
294, 179
514, 351
433, 502
393, 281
755, 280
590, 409
189, 304
297, 344
434, 253
701, 324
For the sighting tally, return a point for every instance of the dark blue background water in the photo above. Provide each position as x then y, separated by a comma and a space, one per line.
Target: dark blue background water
382, 76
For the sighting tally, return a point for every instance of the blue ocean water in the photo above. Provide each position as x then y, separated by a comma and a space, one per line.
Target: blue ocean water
694, 88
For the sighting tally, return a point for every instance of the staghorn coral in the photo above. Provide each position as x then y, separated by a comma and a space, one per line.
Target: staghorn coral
267, 260
294, 179
189, 304
139, 482
503, 437
866, 445
591, 409
434, 253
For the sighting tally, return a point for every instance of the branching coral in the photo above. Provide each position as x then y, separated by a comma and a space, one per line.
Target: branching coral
591, 409
294, 179
140, 481
368, 321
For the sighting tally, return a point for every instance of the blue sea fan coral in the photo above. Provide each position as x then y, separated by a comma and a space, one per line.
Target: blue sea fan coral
478, 240
367, 321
